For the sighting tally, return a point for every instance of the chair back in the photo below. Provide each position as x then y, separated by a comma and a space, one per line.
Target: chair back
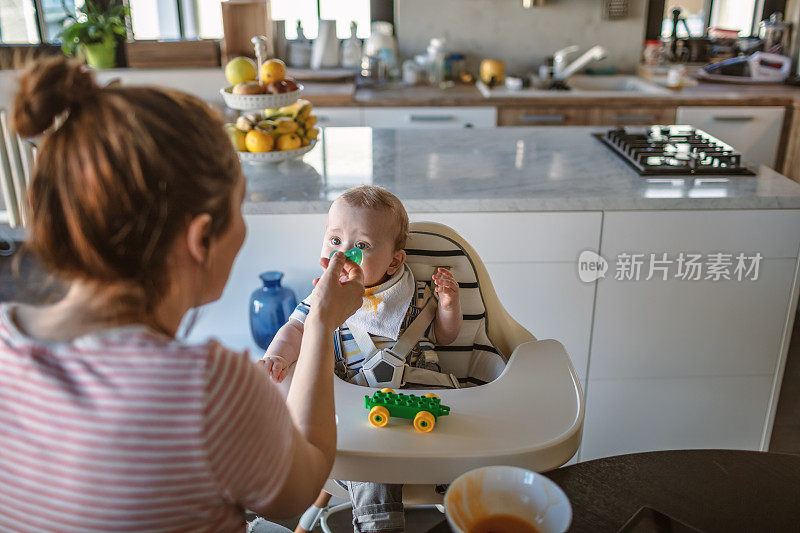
488, 334
17, 160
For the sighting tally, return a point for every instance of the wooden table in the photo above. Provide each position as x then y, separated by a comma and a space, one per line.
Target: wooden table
711, 490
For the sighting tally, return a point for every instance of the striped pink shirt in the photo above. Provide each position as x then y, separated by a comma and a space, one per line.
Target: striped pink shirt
128, 430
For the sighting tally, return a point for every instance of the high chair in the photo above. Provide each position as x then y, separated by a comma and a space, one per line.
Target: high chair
520, 404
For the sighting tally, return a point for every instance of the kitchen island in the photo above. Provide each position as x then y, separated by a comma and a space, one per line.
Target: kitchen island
667, 360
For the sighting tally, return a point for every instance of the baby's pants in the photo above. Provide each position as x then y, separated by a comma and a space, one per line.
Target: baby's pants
376, 506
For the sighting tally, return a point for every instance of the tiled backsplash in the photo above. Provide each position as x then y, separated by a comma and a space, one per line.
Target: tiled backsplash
503, 29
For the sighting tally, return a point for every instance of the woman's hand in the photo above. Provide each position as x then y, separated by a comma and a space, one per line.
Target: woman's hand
338, 292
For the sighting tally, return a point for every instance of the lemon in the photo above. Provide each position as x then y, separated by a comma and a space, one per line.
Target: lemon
258, 141
240, 70
288, 141
273, 70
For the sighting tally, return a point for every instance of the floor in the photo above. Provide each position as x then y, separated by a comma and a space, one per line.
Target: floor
22, 279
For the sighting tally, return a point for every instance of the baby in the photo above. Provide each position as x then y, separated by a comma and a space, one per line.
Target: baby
374, 220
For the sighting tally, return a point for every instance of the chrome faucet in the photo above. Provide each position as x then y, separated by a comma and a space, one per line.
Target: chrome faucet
561, 71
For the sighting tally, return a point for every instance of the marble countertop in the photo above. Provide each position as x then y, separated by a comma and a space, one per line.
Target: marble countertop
505, 169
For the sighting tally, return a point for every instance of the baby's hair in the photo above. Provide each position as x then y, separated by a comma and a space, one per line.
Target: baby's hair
374, 197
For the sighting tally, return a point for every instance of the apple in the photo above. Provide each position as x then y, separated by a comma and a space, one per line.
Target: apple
291, 85
248, 87
277, 87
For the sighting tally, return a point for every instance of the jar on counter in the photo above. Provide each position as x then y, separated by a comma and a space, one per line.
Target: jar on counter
454, 66
412, 72
653, 54
436, 55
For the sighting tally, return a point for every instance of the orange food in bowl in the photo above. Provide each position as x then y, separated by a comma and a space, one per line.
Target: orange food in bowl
289, 141
258, 141
273, 70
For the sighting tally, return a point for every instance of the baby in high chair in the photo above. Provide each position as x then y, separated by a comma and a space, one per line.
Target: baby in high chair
374, 220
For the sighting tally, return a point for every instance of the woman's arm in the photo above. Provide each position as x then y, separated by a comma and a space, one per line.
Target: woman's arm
310, 399
271, 457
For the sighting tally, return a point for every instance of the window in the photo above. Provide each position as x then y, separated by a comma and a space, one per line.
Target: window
743, 16
33, 21
189, 19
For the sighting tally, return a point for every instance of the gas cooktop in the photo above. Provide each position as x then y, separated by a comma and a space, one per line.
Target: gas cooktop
675, 150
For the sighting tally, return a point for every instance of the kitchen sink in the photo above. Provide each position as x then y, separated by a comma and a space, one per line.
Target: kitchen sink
615, 84
581, 85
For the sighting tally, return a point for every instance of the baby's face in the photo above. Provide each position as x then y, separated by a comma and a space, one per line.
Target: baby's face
371, 230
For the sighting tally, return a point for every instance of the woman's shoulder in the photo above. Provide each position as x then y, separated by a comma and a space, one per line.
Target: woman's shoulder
124, 344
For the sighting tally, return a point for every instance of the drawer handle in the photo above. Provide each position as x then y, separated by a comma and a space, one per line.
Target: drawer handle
734, 118
431, 118
323, 118
635, 118
548, 119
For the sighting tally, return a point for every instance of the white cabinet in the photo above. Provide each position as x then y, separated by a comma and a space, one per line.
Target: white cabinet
430, 117
339, 116
684, 364
752, 131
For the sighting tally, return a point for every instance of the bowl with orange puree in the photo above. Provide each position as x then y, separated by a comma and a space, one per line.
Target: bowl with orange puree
506, 499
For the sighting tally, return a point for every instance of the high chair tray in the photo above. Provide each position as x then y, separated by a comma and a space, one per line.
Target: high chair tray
530, 416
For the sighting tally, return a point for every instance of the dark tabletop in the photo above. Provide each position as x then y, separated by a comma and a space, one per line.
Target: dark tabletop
710, 490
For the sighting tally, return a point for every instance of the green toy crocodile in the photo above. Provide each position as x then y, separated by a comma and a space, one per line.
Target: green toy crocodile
423, 410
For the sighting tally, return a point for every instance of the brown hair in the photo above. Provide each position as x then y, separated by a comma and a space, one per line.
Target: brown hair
374, 197
118, 176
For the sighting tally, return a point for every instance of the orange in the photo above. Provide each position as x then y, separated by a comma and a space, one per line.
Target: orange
288, 141
273, 70
258, 141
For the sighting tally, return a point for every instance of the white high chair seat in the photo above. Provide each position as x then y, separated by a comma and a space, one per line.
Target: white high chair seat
530, 414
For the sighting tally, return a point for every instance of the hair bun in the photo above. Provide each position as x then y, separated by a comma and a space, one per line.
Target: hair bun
48, 88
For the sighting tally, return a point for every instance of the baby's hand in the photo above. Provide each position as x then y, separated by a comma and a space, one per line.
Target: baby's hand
447, 287
276, 367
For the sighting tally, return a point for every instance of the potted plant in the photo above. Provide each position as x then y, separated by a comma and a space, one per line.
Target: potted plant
93, 33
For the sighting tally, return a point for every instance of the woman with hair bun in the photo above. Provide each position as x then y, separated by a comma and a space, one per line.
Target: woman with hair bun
107, 421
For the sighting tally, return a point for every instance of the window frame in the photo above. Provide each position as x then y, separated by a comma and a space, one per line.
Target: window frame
655, 15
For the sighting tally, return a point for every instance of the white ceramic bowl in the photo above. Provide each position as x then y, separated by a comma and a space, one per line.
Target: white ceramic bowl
507, 490
262, 158
249, 102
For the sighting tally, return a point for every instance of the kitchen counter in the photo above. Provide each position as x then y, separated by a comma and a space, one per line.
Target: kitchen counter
706, 94
505, 169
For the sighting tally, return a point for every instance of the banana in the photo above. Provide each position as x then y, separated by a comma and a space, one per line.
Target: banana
267, 125
310, 122
286, 125
312, 133
305, 141
300, 109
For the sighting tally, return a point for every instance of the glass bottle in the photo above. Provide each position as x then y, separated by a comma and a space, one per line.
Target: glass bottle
270, 307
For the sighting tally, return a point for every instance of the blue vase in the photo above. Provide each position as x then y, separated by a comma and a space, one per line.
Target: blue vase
270, 307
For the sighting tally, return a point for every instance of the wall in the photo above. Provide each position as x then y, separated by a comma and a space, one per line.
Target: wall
521, 37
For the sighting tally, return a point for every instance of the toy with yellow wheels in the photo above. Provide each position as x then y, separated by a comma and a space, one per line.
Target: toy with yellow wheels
422, 410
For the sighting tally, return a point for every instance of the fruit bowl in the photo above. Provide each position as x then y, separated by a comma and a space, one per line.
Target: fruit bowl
258, 158
247, 102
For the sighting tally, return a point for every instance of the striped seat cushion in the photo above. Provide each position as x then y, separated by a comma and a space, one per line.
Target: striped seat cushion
472, 357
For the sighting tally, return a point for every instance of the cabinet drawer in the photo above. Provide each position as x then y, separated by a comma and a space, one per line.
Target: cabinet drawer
338, 116
641, 415
631, 116
543, 116
775, 233
524, 237
753, 131
430, 117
